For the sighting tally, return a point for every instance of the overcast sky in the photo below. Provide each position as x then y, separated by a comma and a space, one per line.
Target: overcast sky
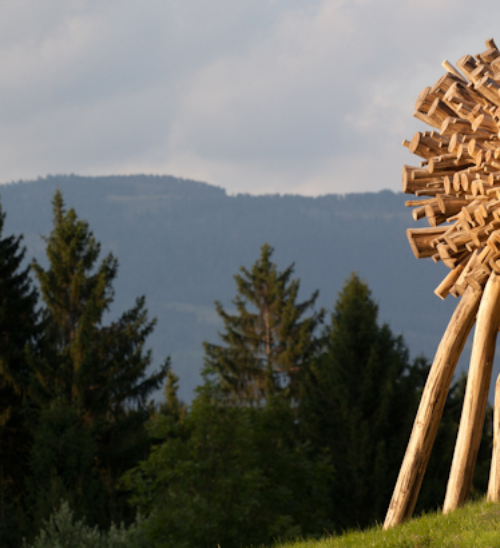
258, 96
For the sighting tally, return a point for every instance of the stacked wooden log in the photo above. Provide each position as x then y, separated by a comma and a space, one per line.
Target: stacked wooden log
458, 180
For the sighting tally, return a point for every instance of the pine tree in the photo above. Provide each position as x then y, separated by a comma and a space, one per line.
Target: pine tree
359, 402
267, 342
92, 384
228, 475
19, 335
172, 406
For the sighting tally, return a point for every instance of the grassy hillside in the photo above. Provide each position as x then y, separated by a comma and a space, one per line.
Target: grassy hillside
476, 525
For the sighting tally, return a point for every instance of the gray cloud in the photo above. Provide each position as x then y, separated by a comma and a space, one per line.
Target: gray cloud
256, 96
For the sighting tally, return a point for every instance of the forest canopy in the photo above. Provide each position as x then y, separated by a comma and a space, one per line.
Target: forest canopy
297, 427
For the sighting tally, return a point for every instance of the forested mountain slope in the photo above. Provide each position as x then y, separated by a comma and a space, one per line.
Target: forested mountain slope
180, 242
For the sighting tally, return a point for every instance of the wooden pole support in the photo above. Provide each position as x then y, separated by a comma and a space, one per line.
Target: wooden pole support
476, 396
494, 483
431, 408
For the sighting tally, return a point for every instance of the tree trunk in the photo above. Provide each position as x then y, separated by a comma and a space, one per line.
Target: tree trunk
431, 409
476, 397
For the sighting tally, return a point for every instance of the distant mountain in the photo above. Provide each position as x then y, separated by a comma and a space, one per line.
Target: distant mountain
179, 242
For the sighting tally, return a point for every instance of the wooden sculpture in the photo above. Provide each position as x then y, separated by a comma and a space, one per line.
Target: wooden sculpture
458, 181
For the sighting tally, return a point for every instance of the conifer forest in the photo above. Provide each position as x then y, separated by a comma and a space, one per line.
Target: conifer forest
297, 428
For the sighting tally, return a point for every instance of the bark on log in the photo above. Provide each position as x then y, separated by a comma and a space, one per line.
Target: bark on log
476, 396
430, 410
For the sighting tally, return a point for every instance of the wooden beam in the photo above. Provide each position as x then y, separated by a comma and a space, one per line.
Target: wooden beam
443, 289
450, 68
494, 482
430, 409
476, 396
420, 240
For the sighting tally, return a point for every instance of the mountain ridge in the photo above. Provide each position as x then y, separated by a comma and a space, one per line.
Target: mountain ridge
180, 242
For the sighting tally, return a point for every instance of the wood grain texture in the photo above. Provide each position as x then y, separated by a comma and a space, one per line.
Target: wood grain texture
494, 482
476, 396
443, 289
431, 409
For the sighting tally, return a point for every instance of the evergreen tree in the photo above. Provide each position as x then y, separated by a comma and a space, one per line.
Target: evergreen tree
172, 406
92, 385
19, 334
267, 342
359, 401
230, 476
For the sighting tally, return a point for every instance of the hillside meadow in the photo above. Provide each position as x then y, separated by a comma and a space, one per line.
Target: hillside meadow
476, 525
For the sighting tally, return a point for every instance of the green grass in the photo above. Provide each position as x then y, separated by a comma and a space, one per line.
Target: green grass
475, 525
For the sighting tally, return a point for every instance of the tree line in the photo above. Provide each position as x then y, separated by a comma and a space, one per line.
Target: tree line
298, 428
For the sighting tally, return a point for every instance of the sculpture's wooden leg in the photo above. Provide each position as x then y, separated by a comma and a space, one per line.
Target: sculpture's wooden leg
494, 483
476, 397
431, 409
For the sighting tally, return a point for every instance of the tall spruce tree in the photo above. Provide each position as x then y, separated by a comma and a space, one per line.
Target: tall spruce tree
93, 387
359, 401
19, 335
267, 342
